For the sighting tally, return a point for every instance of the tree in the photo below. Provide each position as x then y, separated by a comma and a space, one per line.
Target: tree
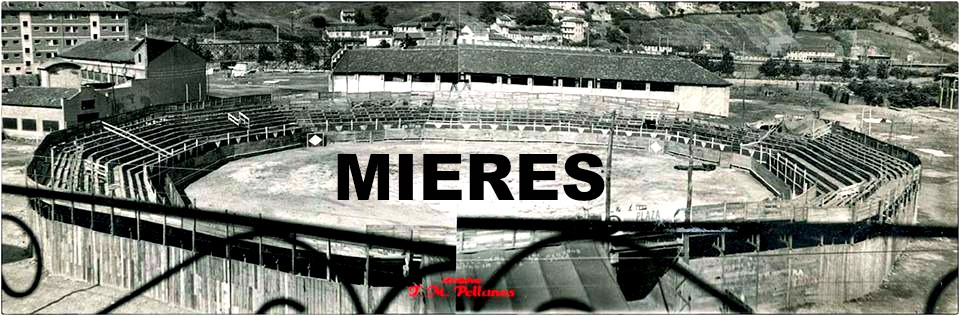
704, 61
795, 23
816, 71
408, 42
360, 19
846, 70
197, 7
383, 44
319, 22
195, 47
863, 71
727, 66
264, 54
786, 69
883, 71
379, 14
308, 55
230, 6
770, 68
921, 34
796, 71
433, 17
227, 55
490, 10
288, 52
614, 35
534, 13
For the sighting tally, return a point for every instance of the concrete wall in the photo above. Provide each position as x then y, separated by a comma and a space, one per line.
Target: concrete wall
63, 75
39, 114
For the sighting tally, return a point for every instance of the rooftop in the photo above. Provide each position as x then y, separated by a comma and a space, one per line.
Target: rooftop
535, 62
38, 96
117, 51
46, 6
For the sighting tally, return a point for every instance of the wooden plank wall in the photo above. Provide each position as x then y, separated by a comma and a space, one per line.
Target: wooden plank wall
211, 285
772, 281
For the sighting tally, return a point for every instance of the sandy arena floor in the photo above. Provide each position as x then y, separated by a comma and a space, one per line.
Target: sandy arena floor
301, 185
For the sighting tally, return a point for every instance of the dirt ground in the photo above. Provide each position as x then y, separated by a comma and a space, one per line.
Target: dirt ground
303, 184
56, 294
278, 83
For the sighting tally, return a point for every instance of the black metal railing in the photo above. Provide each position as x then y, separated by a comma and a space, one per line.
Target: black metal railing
561, 231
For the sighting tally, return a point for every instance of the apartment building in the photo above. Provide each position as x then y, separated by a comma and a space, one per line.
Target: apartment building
34, 32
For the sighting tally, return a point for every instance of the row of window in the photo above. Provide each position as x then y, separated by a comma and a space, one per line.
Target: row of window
102, 77
29, 124
38, 54
537, 81
68, 16
6, 70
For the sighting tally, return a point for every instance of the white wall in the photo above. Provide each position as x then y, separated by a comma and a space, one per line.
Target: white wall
710, 100
39, 114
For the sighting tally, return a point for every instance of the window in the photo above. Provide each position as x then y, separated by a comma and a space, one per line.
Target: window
6, 56
661, 87
49, 126
94, 36
88, 104
50, 16
27, 63
26, 50
26, 37
633, 85
15, 42
36, 28
28, 124
9, 122
71, 16
52, 29
607, 84
139, 58
94, 24
53, 42
71, 29
117, 29
6, 70
16, 55
26, 24
70, 42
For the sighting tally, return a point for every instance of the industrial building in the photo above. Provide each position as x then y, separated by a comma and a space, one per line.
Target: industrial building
139, 72
666, 78
34, 32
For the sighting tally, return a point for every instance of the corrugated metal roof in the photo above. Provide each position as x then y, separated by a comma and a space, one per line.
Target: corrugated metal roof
573, 270
536, 62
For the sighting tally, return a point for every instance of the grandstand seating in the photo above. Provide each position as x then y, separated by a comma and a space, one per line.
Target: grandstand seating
842, 171
107, 163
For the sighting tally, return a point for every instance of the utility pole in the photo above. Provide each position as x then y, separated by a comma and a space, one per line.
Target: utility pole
613, 132
687, 211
